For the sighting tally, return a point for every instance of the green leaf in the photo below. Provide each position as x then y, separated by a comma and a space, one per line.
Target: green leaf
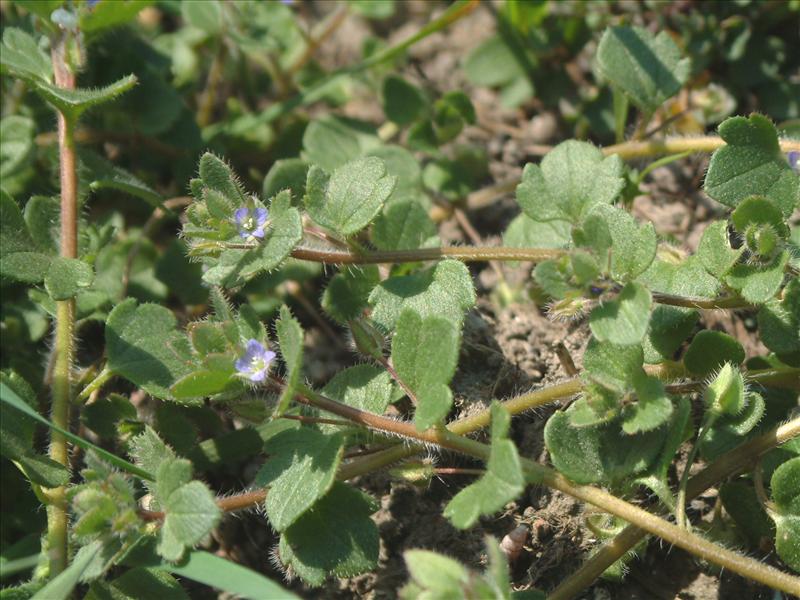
669, 327
365, 387
331, 142
227, 576
599, 454
348, 292
613, 366
502, 482
144, 347
573, 177
758, 283
206, 16
652, 408
75, 102
106, 15
138, 583
741, 503
624, 320
105, 175
351, 198
66, 276
524, 232
14, 236
149, 451
425, 355
709, 350
751, 164
201, 384
715, 252
336, 537
61, 586
287, 174
300, 470
218, 176
17, 137
28, 267
493, 63
757, 210
445, 290
402, 101
438, 575
647, 68
779, 322
619, 241
42, 216
729, 430
21, 56
290, 340
785, 486
190, 509
404, 225
686, 278
41, 8
787, 540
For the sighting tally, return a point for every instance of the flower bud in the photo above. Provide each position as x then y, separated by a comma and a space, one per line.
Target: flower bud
367, 339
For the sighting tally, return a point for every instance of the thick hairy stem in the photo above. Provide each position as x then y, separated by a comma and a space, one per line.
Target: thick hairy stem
739, 459
463, 253
57, 516
677, 144
537, 473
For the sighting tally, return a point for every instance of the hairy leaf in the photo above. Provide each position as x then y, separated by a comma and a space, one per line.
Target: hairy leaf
425, 354
502, 482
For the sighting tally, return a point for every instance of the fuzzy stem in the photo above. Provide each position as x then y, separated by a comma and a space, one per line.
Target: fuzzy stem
536, 473
678, 144
725, 466
57, 515
680, 503
463, 253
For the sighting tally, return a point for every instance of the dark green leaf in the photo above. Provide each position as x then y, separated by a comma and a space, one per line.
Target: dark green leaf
502, 482
144, 347
647, 68
290, 339
348, 291
22, 56
351, 198
751, 164
445, 290
624, 320
66, 276
425, 354
336, 537
709, 350
402, 101
573, 177
300, 470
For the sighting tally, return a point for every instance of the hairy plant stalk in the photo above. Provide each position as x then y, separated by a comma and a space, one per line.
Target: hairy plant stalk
463, 253
678, 144
739, 459
63, 350
537, 473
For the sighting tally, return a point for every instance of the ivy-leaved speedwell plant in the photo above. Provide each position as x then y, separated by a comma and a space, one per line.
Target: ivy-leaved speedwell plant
651, 382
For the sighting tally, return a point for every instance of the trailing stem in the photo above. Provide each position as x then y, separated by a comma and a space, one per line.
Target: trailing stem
536, 473
730, 463
57, 516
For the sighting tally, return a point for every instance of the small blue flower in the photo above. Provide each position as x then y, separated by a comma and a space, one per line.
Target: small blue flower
254, 365
793, 156
251, 223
